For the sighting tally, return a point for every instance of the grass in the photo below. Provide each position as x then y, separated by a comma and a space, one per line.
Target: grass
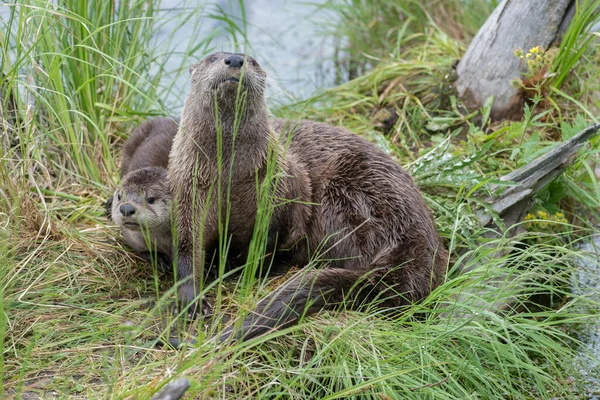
78, 310
371, 30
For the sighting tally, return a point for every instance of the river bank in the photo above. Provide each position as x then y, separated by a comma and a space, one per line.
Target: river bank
79, 311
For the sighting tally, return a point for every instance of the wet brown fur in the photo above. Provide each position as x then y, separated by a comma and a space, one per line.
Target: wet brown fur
370, 221
149, 145
193, 171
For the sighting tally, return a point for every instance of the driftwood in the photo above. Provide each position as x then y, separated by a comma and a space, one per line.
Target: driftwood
490, 65
511, 204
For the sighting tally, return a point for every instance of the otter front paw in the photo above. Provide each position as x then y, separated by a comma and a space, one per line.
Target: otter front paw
163, 264
188, 302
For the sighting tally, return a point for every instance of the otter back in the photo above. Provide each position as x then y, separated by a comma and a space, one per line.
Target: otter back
149, 145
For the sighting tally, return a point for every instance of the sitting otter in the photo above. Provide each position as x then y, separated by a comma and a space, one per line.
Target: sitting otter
348, 197
141, 207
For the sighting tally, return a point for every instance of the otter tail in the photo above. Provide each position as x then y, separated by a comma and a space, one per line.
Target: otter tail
390, 281
304, 294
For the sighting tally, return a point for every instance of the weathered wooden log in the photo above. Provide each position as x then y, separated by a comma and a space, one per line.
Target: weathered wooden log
489, 66
511, 204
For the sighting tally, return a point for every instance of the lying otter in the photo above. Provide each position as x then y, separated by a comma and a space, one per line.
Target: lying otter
141, 207
349, 198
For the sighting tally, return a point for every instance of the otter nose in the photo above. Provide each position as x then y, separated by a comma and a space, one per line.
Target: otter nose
127, 210
234, 61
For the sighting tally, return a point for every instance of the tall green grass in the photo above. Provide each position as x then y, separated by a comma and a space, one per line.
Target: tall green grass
462, 348
78, 310
368, 31
81, 62
576, 40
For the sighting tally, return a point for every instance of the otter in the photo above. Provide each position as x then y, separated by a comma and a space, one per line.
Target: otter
345, 195
141, 207
197, 182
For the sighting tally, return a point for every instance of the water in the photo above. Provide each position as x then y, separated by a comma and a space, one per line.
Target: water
285, 36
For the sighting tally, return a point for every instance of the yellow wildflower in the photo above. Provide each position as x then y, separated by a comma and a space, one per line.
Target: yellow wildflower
535, 50
542, 214
519, 53
528, 55
560, 217
529, 217
538, 58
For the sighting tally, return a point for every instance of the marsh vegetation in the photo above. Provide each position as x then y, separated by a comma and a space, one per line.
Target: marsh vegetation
79, 312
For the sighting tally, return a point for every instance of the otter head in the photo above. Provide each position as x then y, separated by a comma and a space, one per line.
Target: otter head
143, 201
225, 75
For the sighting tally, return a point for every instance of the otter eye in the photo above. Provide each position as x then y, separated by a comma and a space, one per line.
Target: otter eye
212, 60
253, 63
151, 200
